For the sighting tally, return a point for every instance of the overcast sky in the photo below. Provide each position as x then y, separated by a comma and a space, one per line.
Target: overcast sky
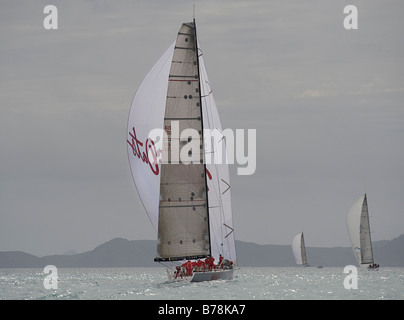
327, 104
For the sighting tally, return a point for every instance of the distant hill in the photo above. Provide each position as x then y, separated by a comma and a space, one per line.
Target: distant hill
120, 252
386, 253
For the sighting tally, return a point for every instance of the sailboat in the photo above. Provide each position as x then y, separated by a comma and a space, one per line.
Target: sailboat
185, 194
299, 249
359, 233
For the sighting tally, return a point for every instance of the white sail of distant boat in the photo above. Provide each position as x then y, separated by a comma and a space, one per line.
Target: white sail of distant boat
359, 233
188, 202
299, 249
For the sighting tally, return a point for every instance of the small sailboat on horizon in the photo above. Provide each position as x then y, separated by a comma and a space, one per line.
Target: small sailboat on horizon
188, 202
299, 250
359, 233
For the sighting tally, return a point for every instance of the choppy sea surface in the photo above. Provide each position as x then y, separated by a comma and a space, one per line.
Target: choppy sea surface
249, 283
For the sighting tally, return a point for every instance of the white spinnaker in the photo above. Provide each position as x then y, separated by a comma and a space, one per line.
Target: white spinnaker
147, 114
219, 195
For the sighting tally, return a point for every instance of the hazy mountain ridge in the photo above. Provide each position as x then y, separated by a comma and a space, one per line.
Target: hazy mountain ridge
120, 252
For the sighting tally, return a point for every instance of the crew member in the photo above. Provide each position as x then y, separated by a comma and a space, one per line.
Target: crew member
220, 265
189, 268
178, 268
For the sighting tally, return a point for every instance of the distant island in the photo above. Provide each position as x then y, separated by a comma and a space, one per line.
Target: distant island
120, 252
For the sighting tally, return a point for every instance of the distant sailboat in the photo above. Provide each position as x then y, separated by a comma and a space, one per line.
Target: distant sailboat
359, 233
299, 249
188, 202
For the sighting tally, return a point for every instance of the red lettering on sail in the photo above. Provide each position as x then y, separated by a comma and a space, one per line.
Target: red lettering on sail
209, 176
145, 155
150, 147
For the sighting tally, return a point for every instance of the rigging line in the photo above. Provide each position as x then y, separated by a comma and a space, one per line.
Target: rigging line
170, 267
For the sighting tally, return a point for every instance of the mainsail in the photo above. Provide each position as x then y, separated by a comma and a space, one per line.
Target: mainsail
186, 197
359, 231
299, 249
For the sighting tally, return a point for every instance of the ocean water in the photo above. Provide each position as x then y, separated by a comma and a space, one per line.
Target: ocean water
248, 284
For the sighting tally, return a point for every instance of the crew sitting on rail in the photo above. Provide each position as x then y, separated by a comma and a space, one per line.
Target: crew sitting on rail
210, 263
188, 267
200, 265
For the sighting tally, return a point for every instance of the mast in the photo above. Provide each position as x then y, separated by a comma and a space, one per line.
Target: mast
367, 252
202, 137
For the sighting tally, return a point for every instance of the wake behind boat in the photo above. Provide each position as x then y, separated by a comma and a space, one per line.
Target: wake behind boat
186, 196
